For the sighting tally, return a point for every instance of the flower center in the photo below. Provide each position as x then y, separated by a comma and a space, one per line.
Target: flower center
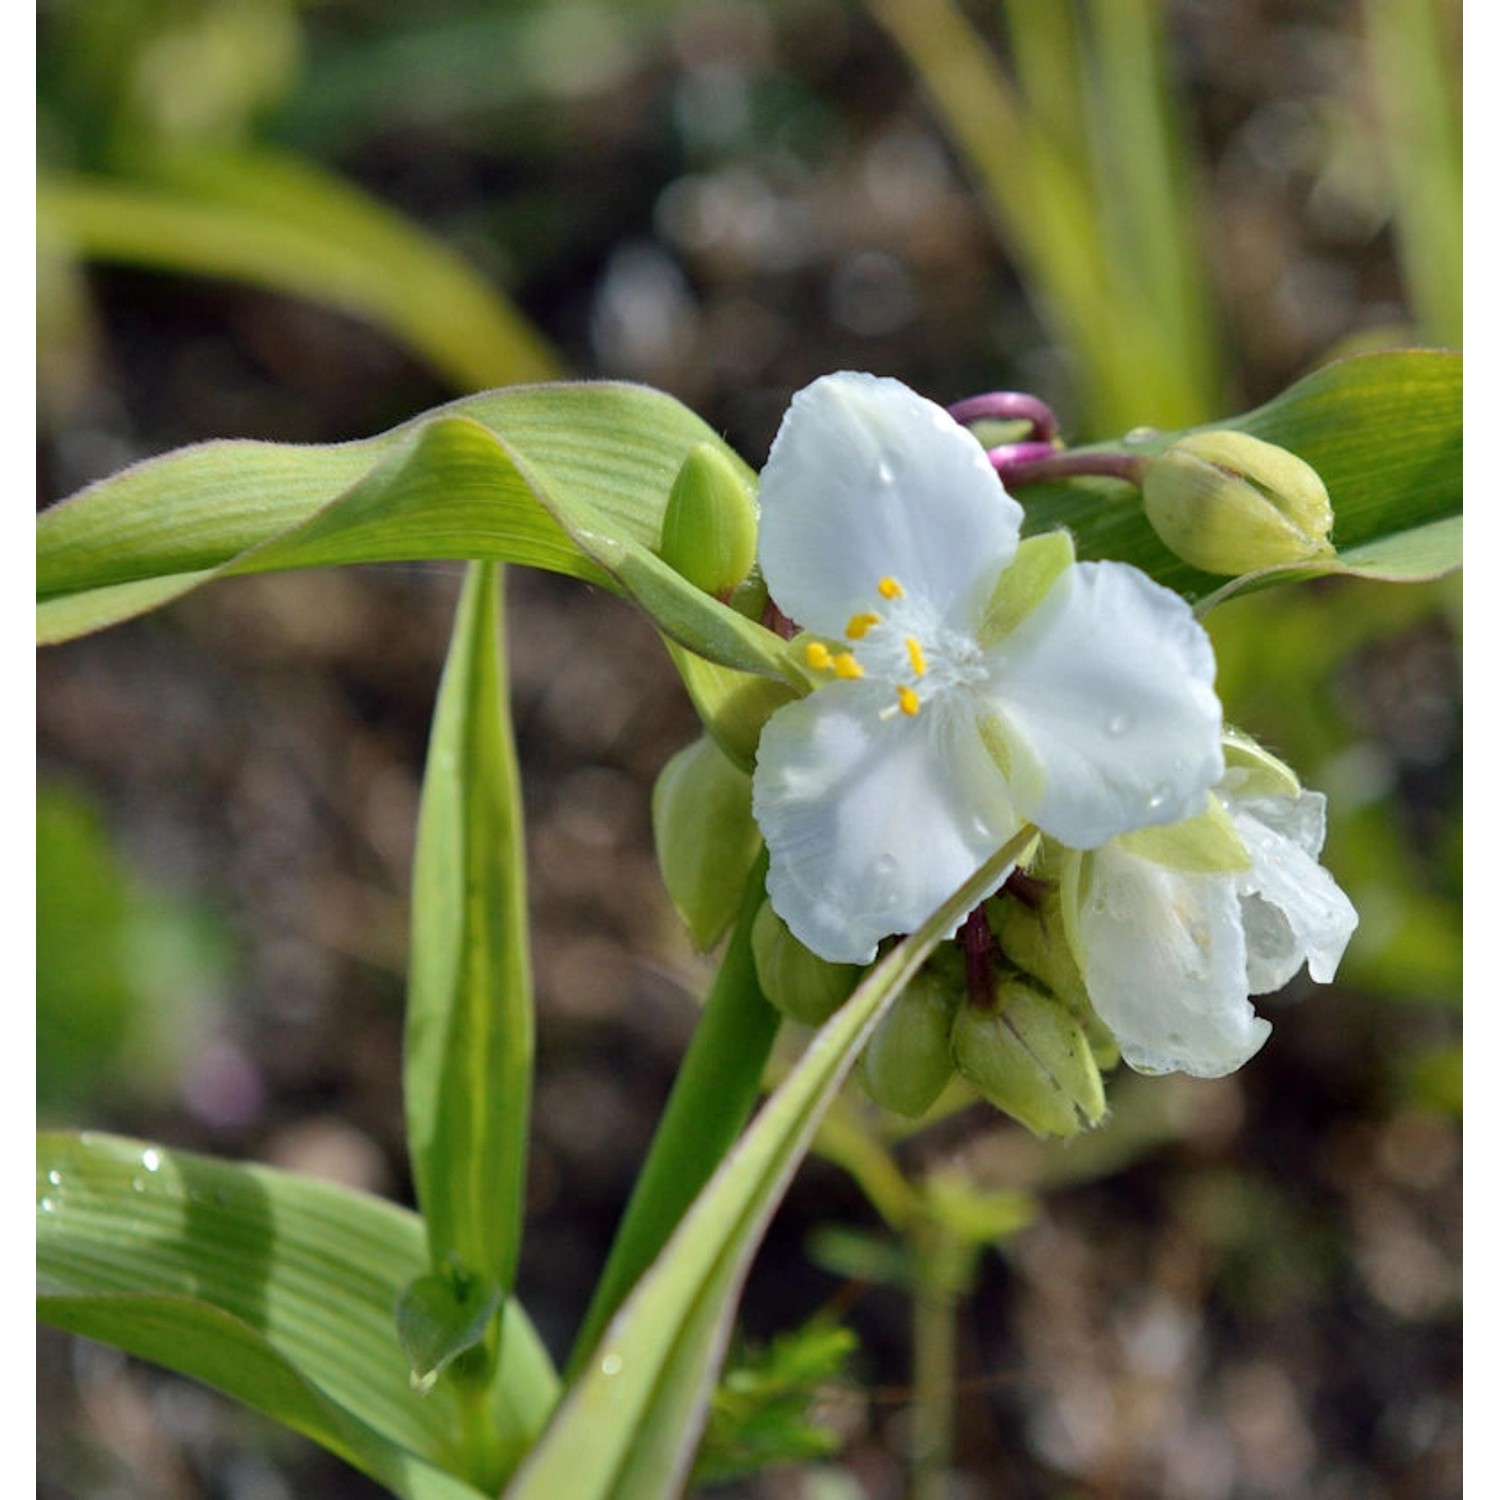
901, 643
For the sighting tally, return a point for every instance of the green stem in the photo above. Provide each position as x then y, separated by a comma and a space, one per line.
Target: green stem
934, 1358
716, 1089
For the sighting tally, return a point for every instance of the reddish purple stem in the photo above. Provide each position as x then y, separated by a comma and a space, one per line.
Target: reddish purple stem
1016, 469
1007, 406
978, 945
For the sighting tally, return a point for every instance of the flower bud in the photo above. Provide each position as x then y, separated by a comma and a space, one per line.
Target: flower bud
909, 1058
1029, 1056
796, 981
1227, 502
706, 838
708, 532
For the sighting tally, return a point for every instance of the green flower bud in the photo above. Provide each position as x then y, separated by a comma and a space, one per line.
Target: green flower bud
796, 981
909, 1058
706, 838
1030, 1057
708, 532
1229, 503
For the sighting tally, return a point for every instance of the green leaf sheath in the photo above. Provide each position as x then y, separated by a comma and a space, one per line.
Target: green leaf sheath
628, 1425
276, 1289
469, 1026
715, 1090
570, 478
1385, 433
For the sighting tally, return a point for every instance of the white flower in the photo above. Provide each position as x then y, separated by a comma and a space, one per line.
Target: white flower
952, 713
1171, 956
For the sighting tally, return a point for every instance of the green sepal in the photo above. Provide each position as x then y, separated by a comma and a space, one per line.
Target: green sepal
1029, 1057
1037, 565
909, 1058
1252, 771
795, 980
709, 528
1205, 845
706, 838
441, 1316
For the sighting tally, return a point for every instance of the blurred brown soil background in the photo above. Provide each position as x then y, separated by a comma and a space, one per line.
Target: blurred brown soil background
1261, 1301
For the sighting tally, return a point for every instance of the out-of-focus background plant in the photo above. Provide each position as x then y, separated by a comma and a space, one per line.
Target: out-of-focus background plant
308, 223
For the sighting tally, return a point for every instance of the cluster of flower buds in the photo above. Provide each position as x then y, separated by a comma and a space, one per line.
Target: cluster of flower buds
958, 686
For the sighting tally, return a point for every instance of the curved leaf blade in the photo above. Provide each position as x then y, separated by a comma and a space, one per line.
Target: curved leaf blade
277, 1289
571, 478
270, 220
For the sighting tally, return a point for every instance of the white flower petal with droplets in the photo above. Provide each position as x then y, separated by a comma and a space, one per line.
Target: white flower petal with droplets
1105, 697
1294, 909
867, 480
872, 820
1164, 962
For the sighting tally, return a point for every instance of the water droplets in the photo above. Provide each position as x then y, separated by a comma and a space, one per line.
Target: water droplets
151, 1159
611, 1364
883, 890
1118, 724
885, 474
46, 1205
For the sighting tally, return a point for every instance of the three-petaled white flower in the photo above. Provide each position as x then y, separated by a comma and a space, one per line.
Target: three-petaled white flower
1171, 956
954, 711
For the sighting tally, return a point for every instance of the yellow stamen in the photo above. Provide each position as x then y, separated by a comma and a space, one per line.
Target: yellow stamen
890, 589
819, 657
909, 701
859, 625
917, 655
844, 665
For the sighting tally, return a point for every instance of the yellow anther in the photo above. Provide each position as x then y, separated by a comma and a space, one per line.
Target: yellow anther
890, 589
908, 699
844, 665
917, 655
819, 657
859, 625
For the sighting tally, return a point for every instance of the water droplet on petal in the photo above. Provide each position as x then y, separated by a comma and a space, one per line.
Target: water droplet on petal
611, 1364
885, 474
1157, 798
1118, 724
151, 1159
46, 1205
55, 1177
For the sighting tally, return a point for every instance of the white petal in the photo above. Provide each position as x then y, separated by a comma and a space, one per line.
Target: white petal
1106, 700
1164, 962
867, 480
1294, 907
872, 822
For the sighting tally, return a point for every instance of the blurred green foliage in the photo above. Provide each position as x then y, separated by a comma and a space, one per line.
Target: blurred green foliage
128, 975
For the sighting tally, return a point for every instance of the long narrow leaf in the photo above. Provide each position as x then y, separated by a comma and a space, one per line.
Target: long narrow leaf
469, 1030
276, 1289
627, 1428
